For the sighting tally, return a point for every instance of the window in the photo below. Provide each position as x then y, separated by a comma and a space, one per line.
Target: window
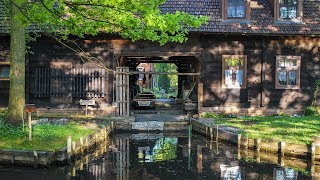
288, 72
288, 9
235, 9
4, 70
234, 70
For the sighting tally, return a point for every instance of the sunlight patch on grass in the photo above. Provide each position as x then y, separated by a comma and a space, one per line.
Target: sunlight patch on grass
299, 130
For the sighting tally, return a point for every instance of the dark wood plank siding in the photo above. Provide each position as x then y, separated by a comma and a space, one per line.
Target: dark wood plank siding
58, 73
261, 52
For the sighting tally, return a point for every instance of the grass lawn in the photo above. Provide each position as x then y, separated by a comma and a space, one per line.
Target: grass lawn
45, 137
299, 130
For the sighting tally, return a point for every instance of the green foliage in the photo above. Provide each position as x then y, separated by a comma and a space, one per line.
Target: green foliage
283, 114
45, 137
233, 62
216, 116
134, 19
167, 82
312, 111
315, 93
3, 113
166, 149
211, 115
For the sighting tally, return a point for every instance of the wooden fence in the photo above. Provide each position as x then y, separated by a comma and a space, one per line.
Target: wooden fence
122, 91
50, 82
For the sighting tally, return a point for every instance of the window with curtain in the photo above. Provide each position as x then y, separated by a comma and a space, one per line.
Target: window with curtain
288, 9
234, 71
288, 72
236, 8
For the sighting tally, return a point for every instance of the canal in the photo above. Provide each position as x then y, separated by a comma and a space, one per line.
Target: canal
161, 156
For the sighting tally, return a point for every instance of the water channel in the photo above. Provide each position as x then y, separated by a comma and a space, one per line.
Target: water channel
160, 156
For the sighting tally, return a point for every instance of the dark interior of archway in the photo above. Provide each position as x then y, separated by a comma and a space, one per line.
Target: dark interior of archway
184, 64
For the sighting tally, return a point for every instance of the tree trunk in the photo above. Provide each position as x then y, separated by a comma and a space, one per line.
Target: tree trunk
17, 67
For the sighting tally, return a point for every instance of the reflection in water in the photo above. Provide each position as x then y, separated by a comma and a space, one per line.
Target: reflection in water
128, 157
164, 149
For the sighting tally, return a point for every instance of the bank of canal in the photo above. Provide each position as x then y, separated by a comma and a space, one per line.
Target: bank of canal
165, 156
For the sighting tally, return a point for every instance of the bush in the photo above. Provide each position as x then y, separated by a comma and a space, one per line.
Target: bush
312, 111
216, 116
3, 113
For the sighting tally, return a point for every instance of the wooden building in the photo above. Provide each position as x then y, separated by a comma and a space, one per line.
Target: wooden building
253, 57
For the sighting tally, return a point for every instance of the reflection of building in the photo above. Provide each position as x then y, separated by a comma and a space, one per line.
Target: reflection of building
284, 174
122, 162
163, 150
230, 173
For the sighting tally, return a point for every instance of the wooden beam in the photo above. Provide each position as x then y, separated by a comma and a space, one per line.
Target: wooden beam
200, 98
163, 73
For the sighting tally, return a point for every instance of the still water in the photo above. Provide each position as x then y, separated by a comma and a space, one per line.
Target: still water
159, 156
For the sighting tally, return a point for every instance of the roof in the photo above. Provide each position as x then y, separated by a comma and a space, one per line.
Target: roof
261, 19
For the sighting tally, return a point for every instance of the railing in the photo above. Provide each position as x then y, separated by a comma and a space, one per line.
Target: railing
50, 82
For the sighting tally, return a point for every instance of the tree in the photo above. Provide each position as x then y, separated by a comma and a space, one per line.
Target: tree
17, 67
133, 19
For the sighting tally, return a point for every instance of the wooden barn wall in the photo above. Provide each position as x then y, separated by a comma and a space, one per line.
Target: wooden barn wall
46, 52
208, 49
261, 65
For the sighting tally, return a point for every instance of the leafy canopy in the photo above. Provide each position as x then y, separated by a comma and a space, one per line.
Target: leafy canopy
134, 19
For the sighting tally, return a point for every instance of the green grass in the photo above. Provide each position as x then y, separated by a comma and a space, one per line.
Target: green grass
45, 137
299, 130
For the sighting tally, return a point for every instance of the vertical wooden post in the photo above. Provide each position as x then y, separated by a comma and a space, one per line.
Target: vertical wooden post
211, 133
200, 98
127, 91
121, 90
281, 146
313, 152
217, 133
69, 145
81, 145
258, 144
199, 158
239, 141
118, 90
207, 131
239, 146
247, 144
73, 146
29, 126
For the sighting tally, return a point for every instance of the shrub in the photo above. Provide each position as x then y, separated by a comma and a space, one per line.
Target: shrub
210, 115
312, 111
3, 113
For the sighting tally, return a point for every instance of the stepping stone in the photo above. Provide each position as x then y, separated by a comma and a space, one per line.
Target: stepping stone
149, 125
